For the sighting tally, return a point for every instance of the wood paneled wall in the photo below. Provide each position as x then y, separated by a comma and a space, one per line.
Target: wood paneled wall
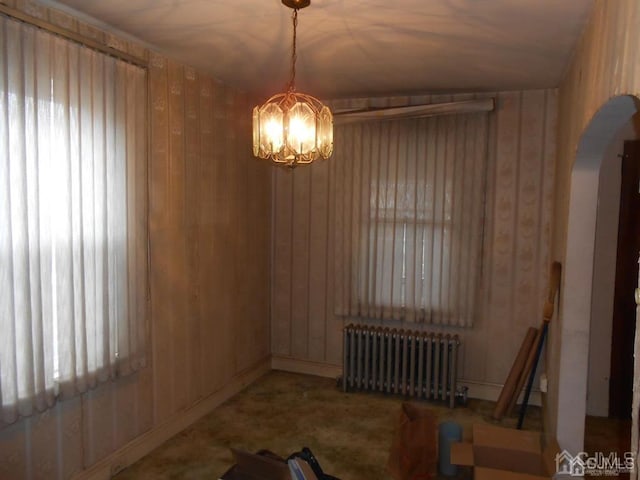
605, 64
209, 217
307, 336
209, 224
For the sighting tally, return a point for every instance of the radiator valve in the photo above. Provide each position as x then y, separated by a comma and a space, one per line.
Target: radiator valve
462, 395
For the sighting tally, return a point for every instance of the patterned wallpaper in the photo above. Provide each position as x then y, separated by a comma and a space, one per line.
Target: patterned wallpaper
209, 255
605, 64
516, 246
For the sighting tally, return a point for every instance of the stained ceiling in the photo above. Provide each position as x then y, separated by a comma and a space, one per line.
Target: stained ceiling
349, 48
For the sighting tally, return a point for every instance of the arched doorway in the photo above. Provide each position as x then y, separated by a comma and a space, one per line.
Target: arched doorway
575, 302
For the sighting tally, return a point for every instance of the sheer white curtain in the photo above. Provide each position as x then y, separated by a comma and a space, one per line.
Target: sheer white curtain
409, 218
72, 218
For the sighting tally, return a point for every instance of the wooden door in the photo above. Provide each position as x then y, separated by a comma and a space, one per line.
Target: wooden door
635, 420
624, 314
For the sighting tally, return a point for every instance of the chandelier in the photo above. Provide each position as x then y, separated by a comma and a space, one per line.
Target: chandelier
292, 128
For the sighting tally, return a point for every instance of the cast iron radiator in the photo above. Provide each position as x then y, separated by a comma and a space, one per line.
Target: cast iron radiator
403, 362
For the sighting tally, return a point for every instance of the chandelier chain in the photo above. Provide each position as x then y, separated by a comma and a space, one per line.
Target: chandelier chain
294, 56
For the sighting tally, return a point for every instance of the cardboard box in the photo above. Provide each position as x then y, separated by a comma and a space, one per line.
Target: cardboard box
414, 448
498, 453
263, 465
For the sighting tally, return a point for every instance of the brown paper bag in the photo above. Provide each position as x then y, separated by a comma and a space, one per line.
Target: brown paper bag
414, 450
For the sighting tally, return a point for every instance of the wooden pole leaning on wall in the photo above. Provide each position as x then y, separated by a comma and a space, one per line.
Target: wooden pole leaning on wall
527, 355
515, 373
547, 313
524, 373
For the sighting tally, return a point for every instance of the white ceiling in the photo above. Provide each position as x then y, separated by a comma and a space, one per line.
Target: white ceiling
349, 48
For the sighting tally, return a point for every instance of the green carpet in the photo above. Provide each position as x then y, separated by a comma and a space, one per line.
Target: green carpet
350, 433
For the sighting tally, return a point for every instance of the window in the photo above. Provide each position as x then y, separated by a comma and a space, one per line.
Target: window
72, 218
401, 240
409, 213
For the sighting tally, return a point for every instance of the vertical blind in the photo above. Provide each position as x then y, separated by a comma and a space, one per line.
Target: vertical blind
409, 218
72, 218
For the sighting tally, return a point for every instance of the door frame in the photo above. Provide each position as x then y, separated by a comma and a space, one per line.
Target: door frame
571, 336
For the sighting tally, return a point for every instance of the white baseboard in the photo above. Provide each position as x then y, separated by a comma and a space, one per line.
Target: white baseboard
307, 367
148, 441
479, 390
491, 392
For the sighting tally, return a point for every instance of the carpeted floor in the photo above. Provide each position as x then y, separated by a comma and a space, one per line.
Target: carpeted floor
350, 433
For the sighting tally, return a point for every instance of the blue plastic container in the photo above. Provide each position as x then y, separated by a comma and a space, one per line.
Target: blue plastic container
448, 432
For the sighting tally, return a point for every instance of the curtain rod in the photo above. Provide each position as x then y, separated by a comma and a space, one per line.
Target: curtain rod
71, 35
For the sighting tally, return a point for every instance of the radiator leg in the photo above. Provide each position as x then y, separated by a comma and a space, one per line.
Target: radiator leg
412, 366
429, 367
436, 368
405, 341
389, 361
453, 372
420, 365
445, 366
396, 370
345, 355
366, 381
359, 359
352, 354
381, 368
